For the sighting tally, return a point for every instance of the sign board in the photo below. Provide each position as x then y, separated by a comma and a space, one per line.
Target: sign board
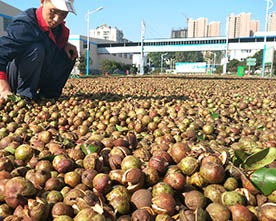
251, 61
269, 54
194, 67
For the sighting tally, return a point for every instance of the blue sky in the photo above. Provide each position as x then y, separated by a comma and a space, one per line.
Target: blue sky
160, 16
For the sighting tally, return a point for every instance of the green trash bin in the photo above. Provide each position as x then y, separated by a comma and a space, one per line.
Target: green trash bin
241, 71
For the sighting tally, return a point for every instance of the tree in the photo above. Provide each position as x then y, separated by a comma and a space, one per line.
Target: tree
259, 61
133, 69
154, 59
189, 56
213, 57
106, 66
111, 66
173, 57
259, 58
233, 65
82, 64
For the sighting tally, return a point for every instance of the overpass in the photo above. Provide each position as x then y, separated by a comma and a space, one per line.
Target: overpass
187, 44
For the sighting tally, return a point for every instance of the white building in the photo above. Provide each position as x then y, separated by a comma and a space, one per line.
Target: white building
241, 54
108, 33
95, 59
6, 14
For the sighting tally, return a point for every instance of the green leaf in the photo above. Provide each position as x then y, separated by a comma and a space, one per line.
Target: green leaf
215, 115
92, 148
246, 98
49, 158
84, 149
88, 149
14, 98
201, 137
10, 149
67, 143
120, 128
237, 95
260, 159
237, 162
265, 180
239, 157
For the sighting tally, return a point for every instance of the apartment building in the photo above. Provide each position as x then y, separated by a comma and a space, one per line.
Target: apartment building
107, 33
254, 27
197, 28
242, 26
213, 29
6, 13
271, 22
180, 33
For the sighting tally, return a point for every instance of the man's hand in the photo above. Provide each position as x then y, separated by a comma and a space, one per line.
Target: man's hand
71, 51
4, 89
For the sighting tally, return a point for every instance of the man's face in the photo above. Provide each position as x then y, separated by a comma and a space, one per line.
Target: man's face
52, 15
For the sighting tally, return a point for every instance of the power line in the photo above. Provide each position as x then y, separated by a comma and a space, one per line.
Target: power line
152, 31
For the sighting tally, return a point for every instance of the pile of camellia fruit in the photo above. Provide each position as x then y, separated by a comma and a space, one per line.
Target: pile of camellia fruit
183, 148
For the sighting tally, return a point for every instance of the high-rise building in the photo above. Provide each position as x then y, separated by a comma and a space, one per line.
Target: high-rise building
213, 29
241, 25
200, 28
254, 27
272, 22
107, 33
197, 28
179, 33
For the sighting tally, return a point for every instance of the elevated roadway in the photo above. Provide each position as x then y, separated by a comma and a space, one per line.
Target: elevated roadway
187, 44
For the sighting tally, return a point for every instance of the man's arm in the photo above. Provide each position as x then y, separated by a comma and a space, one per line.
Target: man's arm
4, 88
71, 51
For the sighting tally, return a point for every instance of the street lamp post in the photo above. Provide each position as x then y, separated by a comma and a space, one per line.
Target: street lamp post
162, 63
162, 58
268, 6
226, 48
142, 70
88, 37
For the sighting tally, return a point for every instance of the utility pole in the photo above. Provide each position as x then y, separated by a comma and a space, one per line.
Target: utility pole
162, 61
142, 48
268, 6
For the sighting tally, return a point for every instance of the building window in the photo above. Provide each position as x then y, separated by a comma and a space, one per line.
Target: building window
7, 21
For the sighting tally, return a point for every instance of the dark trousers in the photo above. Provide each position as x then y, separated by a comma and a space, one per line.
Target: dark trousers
39, 72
